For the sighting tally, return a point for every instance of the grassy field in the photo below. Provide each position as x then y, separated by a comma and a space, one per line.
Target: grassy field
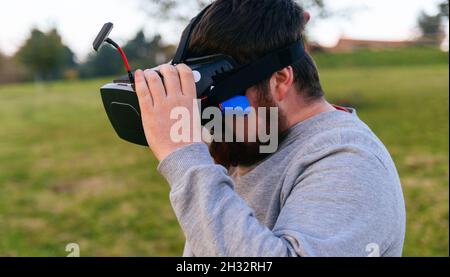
66, 177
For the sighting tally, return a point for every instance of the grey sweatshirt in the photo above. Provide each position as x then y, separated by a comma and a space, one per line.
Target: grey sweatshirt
331, 189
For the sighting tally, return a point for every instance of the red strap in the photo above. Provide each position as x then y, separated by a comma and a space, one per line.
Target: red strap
339, 108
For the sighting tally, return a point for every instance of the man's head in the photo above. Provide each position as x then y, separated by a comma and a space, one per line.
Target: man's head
247, 30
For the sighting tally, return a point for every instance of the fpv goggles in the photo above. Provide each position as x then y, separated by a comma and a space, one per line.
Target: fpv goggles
220, 81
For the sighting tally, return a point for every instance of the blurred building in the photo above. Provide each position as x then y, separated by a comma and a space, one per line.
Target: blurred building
349, 45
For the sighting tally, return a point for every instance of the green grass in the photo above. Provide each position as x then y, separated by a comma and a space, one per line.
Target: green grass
66, 177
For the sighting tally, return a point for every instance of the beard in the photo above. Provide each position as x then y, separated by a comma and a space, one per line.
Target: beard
247, 154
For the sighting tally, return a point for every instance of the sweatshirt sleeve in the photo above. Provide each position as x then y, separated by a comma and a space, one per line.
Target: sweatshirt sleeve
216, 220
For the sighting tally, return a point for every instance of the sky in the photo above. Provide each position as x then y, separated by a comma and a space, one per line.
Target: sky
78, 21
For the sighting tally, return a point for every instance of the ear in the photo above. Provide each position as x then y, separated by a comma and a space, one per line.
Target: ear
281, 82
306, 16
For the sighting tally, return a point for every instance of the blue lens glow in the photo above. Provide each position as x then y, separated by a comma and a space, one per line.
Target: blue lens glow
239, 104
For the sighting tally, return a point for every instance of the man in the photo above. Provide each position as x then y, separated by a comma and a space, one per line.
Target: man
330, 188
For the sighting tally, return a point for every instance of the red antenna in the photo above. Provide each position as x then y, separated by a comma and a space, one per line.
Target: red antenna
103, 37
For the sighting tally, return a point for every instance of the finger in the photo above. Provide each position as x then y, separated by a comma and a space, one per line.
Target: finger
155, 85
187, 80
142, 90
171, 79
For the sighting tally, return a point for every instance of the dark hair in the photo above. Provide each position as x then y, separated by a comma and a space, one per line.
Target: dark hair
249, 29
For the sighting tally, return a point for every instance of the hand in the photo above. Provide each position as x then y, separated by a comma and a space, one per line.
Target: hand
157, 100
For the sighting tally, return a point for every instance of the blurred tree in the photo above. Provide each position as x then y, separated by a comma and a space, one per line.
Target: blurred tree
141, 53
69, 58
102, 63
137, 47
2, 60
44, 55
443, 9
431, 26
